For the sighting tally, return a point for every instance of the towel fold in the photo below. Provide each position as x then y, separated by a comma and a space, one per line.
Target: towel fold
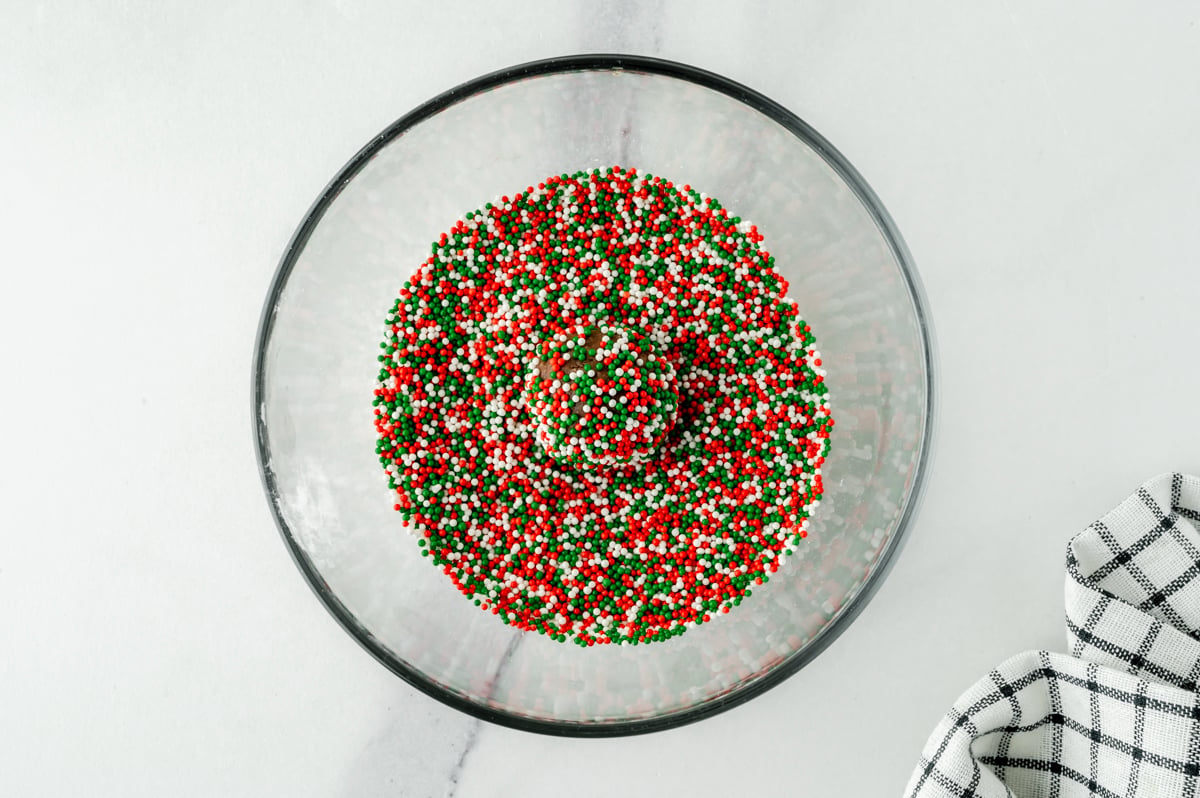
1120, 716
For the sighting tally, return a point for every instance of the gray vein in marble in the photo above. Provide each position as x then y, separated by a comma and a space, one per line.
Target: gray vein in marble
456, 773
624, 26
477, 725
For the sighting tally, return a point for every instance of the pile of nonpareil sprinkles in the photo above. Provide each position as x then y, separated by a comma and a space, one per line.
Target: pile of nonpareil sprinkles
601, 398
559, 510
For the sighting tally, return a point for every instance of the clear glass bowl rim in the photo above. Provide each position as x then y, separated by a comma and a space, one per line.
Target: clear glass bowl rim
578, 63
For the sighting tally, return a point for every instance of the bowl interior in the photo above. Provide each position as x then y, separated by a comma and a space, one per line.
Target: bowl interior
317, 364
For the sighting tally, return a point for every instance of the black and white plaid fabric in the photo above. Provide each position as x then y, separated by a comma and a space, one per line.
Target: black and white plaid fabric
1120, 716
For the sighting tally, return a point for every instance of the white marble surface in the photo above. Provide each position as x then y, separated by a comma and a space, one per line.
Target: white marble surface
155, 639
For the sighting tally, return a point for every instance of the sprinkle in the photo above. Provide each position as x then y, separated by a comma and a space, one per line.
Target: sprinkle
599, 410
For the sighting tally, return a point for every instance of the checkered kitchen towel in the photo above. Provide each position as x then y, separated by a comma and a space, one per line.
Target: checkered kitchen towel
1120, 717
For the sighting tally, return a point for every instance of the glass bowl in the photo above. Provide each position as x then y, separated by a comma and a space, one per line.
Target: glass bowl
315, 367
